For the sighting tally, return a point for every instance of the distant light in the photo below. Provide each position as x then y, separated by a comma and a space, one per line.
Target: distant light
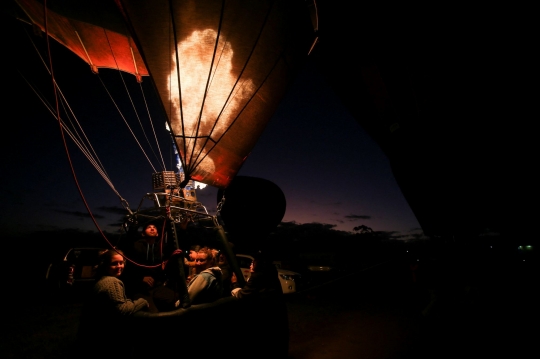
199, 185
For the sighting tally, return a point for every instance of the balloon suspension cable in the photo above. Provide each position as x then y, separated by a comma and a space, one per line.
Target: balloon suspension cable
135, 109
80, 139
177, 63
153, 129
128, 126
84, 145
57, 109
140, 122
125, 204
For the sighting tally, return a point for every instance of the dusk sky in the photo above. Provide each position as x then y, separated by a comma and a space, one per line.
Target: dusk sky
329, 169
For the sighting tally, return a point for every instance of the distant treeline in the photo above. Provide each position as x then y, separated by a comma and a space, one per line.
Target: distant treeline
290, 242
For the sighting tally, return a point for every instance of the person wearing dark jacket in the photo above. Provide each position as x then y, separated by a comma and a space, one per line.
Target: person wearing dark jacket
101, 331
146, 274
263, 295
263, 281
227, 273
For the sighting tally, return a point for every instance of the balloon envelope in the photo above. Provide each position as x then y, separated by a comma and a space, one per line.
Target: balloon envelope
220, 67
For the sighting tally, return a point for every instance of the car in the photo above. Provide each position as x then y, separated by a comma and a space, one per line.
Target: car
289, 280
319, 268
76, 268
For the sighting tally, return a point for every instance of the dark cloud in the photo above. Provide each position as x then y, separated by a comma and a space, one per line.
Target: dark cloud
116, 227
51, 203
113, 209
390, 235
47, 227
326, 204
79, 214
313, 226
356, 216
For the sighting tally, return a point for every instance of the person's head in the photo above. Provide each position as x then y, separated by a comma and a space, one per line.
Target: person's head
205, 259
261, 263
150, 230
193, 251
222, 259
111, 262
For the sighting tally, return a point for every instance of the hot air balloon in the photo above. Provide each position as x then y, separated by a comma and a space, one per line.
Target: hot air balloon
219, 70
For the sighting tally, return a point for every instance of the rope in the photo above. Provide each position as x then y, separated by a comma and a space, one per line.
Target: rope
127, 125
173, 24
66, 103
69, 124
134, 110
83, 144
153, 129
61, 127
112, 99
76, 138
208, 82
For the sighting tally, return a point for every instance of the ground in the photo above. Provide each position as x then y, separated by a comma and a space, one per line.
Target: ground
470, 308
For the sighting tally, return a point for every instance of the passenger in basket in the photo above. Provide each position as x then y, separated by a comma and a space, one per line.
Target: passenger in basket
190, 263
227, 272
263, 297
206, 286
102, 313
146, 274
263, 281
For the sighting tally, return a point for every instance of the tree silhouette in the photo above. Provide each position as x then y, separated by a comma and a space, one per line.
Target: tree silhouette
363, 229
